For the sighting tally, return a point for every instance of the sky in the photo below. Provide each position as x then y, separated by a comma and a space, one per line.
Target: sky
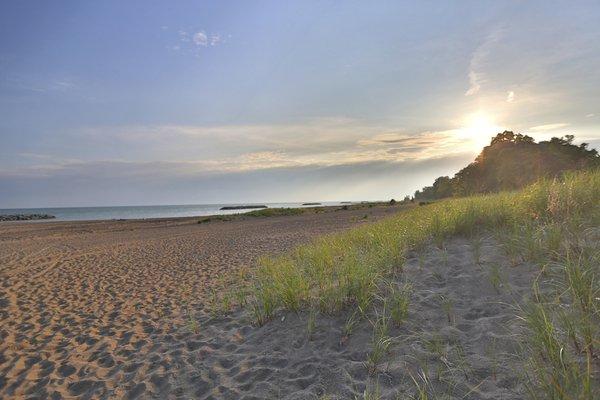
188, 102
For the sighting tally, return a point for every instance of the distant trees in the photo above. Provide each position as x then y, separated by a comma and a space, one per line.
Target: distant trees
512, 161
442, 187
511, 137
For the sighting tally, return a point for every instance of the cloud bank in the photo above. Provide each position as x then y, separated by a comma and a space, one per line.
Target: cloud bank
121, 183
221, 159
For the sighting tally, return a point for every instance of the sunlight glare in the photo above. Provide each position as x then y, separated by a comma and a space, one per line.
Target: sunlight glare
478, 129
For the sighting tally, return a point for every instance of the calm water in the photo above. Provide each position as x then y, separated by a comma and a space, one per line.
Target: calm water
139, 212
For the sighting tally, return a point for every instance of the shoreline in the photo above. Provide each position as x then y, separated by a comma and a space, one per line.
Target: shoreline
221, 216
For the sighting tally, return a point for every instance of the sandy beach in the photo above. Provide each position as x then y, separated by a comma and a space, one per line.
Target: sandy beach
121, 309
300, 200
97, 309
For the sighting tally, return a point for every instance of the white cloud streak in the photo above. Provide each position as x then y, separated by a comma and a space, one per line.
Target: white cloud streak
548, 127
476, 73
475, 80
199, 39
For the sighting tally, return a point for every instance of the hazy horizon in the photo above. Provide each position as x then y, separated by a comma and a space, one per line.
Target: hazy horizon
337, 202
113, 104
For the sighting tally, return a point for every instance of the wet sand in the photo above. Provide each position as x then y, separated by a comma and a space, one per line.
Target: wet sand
98, 309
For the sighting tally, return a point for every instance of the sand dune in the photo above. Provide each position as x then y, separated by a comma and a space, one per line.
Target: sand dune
98, 309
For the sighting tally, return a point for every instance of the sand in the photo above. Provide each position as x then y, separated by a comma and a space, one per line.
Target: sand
100, 309
475, 355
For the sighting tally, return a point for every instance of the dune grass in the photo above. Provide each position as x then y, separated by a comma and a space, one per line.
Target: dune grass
346, 269
563, 323
552, 223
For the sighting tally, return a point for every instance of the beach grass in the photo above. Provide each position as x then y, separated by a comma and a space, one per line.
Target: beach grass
345, 269
552, 224
563, 335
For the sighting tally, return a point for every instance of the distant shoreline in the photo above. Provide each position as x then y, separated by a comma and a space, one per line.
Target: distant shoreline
218, 216
244, 207
108, 213
25, 217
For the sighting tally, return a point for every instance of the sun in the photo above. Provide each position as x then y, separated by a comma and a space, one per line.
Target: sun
477, 129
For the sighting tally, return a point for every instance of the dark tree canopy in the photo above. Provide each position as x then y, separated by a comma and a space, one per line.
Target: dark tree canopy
512, 161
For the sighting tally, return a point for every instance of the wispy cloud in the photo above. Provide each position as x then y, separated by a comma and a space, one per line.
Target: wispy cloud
510, 97
40, 85
198, 39
475, 79
239, 148
424, 140
478, 61
177, 183
215, 40
548, 127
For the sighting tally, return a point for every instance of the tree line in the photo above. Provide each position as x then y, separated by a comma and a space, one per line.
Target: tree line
510, 162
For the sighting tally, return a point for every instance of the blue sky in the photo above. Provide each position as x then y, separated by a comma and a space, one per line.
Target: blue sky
114, 103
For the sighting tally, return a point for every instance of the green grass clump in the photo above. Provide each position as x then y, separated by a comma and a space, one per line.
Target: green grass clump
349, 326
311, 323
495, 277
342, 269
564, 328
399, 301
215, 218
448, 307
273, 212
381, 341
193, 325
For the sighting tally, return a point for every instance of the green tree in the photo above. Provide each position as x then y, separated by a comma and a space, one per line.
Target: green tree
512, 161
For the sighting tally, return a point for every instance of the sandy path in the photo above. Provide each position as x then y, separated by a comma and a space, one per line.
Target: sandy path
95, 309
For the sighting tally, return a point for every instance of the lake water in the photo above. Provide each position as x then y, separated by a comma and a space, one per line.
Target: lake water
141, 212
